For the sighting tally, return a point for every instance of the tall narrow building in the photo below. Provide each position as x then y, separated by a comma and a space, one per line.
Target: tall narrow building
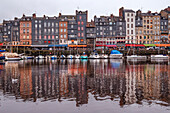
81, 18
26, 30
129, 16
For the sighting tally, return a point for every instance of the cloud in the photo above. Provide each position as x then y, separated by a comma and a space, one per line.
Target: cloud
15, 8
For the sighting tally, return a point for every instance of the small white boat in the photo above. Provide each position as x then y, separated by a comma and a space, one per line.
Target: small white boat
115, 54
62, 56
159, 57
94, 56
13, 58
137, 57
84, 56
27, 57
104, 56
40, 57
70, 56
77, 56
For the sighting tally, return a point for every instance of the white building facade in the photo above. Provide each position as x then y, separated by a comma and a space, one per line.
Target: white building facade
129, 16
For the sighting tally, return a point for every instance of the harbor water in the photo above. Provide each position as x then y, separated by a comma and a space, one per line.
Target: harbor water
84, 86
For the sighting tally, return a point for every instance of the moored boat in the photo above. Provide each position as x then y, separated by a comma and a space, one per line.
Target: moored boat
2, 56
84, 56
40, 57
104, 56
12, 58
159, 57
70, 56
53, 57
115, 54
94, 56
62, 57
77, 56
137, 57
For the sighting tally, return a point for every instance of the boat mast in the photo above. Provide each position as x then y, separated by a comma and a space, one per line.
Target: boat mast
11, 40
54, 44
102, 40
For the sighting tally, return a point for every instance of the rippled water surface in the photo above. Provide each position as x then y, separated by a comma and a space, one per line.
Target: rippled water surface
84, 86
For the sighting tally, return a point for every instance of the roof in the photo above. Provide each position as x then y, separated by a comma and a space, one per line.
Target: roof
90, 24
129, 10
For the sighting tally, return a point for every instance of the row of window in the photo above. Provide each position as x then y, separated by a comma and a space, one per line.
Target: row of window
24, 30
148, 37
128, 25
82, 23
128, 32
63, 41
128, 20
48, 24
24, 25
110, 39
130, 14
25, 43
24, 37
144, 42
46, 37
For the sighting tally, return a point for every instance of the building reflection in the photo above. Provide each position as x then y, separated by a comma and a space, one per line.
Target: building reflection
73, 80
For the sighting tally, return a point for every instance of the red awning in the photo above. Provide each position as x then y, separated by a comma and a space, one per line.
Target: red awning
111, 46
100, 45
134, 45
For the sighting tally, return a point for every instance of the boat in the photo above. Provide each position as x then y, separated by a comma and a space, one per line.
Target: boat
77, 56
70, 56
104, 56
12, 58
2, 56
30, 57
160, 57
137, 57
53, 57
115, 54
84, 56
62, 56
40, 57
27, 57
94, 56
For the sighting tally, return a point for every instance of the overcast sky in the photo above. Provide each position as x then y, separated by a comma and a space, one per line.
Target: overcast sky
15, 8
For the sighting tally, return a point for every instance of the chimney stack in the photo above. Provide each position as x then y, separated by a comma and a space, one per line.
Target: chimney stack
34, 15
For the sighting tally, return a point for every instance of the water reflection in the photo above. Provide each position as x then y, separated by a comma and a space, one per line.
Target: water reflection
73, 80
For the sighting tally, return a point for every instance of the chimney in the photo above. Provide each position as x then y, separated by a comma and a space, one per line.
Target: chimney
121, 11
34, 15
138, 13
111, 15
23, 15
149, 12
95, 16
59, 14
44, 16
15, 18
86, 15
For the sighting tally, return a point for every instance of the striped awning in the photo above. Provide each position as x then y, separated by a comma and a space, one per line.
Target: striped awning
63, 45
134, 45
162, 45
149, 45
